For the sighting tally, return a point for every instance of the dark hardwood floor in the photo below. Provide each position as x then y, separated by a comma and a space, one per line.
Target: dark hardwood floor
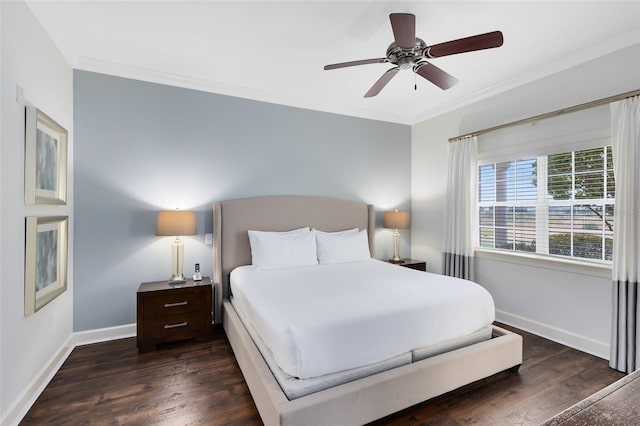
200, 383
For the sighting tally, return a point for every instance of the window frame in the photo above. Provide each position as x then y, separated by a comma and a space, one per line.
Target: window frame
542, 205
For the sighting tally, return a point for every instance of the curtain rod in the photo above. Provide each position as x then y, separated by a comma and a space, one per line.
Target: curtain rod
562, 111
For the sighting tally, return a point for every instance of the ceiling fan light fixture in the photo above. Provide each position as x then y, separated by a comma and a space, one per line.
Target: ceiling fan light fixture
406, 63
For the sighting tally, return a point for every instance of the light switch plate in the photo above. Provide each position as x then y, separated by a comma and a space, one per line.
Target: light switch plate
208, 239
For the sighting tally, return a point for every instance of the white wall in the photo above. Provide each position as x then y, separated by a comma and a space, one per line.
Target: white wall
573, 308
29, 345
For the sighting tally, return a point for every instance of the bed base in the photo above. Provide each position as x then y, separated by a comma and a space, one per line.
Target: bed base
372, 397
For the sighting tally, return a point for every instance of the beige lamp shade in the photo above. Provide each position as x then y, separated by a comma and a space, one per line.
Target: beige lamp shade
396, 220
176, 223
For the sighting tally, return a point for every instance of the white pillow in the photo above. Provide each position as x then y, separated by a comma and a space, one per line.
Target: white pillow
345, 232
293, 231
342, 248
274, 250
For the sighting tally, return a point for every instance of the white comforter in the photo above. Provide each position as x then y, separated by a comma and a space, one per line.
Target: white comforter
322, 319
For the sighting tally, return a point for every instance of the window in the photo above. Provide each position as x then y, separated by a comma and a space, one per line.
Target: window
560, 204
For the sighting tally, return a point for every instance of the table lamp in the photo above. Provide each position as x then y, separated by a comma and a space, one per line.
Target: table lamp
176, 223
396, 220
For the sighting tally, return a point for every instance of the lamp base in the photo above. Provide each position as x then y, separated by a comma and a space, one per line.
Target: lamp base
177, 279
396, 248
177, 250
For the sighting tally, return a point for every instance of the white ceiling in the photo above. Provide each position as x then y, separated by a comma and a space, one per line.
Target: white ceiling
275, 51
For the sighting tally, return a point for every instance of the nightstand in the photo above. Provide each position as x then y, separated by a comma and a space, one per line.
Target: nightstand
420, 265
170, 312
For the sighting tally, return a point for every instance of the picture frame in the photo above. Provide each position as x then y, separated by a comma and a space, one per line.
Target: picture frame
45, 160
46, 251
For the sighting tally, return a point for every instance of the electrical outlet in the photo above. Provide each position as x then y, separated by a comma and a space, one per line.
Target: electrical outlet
208, 239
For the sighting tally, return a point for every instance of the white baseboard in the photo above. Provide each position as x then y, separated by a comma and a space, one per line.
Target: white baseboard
21, 405
104, 334
16, 412
584, 344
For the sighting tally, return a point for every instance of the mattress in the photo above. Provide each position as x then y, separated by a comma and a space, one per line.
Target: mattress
322, 319
295, 388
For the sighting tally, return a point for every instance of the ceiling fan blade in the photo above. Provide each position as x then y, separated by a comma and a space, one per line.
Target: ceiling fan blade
435, 75
354, 63
404, 29
382, 81
467, 44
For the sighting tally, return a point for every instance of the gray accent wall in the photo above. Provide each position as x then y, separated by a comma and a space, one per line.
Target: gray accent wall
142, 147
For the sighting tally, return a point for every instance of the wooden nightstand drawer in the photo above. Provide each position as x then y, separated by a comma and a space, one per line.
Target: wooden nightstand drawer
175, 327
167, 313
172, 302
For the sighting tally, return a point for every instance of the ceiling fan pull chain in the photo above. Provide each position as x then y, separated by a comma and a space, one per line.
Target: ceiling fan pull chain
415, 82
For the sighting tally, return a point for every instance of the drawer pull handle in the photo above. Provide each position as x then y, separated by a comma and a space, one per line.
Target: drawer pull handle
182, 324
173, 305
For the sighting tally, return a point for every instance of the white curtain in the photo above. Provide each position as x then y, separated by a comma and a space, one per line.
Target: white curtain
625, 139
460, 223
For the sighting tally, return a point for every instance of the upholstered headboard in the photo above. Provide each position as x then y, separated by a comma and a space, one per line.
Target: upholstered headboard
232, 219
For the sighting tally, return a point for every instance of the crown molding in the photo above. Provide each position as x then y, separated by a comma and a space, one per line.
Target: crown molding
601, 49
137, 73
177, 80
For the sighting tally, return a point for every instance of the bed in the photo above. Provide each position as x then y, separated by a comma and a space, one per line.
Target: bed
365, 397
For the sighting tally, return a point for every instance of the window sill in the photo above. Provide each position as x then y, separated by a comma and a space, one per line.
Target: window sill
602, 270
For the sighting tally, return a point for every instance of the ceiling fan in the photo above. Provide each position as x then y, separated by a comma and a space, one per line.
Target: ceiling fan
411, 52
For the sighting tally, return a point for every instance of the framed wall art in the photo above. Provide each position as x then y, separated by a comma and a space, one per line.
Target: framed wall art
45, 160
45, 275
